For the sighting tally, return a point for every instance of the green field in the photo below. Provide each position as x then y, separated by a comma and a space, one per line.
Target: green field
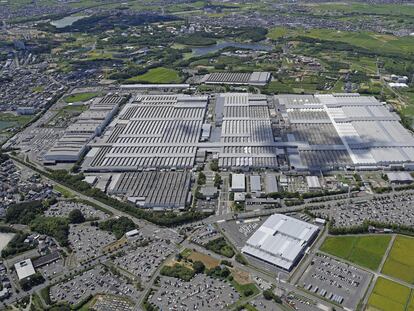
80, 97
400, 262
388, 296
364, 39
410, 306
366, 251
361, 8
277, 33
158, 75
8, 120
63, 191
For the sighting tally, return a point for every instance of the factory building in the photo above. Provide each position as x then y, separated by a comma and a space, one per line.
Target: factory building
255, 185
338, 131
281, 241
247, 139
24, 269
151, 132
156, 190
238, 182
400, 177
91, 123
237, 78
313, 183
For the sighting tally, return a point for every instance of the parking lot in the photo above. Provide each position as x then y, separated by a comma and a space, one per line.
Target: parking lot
261, 304
239, 231
64, 207
338, 282
53, 269
298, 302
112, 303
142, 261
389, 209
204, 234
87, 241
201, 293
91, 282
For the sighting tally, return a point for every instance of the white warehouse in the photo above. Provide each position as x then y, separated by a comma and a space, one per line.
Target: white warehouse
281, 241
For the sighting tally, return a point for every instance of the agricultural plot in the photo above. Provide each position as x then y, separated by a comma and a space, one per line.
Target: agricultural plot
364, 39
400, 262
366, 251
388, 296
158, 75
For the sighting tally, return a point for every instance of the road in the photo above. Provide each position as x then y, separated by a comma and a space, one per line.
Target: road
265, 275
114, 211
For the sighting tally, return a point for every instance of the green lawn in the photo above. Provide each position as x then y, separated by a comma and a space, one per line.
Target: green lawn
277, 33
63, 191
400, 262
366, 251
158, 75
80, 97
389, 296
242, 289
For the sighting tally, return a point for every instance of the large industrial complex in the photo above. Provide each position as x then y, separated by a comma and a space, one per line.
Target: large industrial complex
246, 131
206, 155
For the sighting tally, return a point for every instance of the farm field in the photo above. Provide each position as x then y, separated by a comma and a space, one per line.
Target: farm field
388, 296
366, 251
400, 263
158, 75
364, 39
362, 8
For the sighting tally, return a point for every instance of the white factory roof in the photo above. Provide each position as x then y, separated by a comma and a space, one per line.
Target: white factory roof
255, 183
313, 182
336, 130
271, 183
24, 269
280, 240
238, 182
400, 177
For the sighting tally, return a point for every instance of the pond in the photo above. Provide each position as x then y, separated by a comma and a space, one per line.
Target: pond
66, 21
199, 51
5, 238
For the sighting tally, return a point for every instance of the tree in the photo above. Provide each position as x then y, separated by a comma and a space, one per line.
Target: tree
201, 178
248, 292
268, 294
76, 217
214, 165
217, 180
198, 267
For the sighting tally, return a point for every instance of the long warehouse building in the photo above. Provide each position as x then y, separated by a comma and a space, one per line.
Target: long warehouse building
89, 124
152, 132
